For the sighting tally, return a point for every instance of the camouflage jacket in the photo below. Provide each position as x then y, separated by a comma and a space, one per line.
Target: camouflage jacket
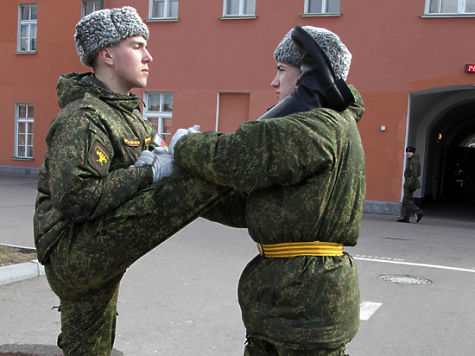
91, 143
295, 178
412, 173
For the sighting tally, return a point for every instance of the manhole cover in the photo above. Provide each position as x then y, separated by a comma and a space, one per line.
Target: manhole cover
404, 279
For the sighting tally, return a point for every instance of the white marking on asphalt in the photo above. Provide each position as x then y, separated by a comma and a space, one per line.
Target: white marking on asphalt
367, 309
394, 261
379, 258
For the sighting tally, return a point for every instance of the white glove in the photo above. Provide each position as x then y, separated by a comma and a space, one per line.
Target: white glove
163, 164
145, 159
194, 129
179, 134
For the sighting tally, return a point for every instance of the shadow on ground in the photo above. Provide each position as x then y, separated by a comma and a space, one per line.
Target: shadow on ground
38, 350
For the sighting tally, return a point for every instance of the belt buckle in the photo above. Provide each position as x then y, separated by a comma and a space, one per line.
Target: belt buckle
260, 249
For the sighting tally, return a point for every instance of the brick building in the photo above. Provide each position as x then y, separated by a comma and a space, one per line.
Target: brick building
413, 62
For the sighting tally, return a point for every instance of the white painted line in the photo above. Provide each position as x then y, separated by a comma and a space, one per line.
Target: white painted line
416, 264
367, 309
379, 258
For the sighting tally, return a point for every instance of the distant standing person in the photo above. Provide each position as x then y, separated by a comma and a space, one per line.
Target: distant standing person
411, 184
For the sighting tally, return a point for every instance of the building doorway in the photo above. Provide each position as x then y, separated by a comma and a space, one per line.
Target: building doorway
233, 109
441, 125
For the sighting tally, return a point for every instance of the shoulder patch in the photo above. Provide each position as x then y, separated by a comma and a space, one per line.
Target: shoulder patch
99, 157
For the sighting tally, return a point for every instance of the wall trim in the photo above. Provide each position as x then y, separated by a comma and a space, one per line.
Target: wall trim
28, 171
381, 207
370, 206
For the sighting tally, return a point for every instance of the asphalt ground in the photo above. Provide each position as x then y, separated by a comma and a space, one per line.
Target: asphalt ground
416, 282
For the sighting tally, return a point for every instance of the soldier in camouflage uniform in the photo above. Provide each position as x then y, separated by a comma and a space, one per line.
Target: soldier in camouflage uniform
411, 184
104, 199
298, 185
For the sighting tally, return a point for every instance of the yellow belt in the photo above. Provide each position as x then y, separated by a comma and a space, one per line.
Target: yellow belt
294, 249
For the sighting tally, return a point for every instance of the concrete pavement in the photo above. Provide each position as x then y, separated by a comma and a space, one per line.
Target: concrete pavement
180, 299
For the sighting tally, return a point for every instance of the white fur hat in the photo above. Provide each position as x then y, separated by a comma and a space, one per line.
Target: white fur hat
104, 28
337, 53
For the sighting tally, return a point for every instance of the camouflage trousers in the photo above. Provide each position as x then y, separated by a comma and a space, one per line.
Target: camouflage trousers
258, 347
408, 207
87, 264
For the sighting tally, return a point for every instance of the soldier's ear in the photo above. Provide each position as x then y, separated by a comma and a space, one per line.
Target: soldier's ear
105, 55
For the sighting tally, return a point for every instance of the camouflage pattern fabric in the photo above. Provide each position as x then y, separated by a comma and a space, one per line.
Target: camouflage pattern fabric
411, 184
94, 215
258, 347
295, 178
412, 173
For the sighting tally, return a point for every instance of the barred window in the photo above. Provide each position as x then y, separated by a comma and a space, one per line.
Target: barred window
322, 6
450, 6
27, 23
162, 9
239, 7
158, 111
24, 119
89, 6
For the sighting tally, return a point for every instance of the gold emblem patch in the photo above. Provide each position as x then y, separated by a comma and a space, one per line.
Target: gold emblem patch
99, 158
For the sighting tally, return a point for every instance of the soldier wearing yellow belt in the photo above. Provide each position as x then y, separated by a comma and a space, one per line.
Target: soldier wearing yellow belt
298, 181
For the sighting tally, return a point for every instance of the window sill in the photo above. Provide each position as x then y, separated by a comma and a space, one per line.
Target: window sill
322, 14
15, 158
163, 19
26, 52
438, 16
238, 17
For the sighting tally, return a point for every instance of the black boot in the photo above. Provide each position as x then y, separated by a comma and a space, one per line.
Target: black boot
317, 86
404, 220
419, 216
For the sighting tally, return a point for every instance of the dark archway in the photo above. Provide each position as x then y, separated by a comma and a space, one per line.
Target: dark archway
449, 144
442, 126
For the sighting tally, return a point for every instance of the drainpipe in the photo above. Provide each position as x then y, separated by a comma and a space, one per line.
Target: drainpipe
101, 4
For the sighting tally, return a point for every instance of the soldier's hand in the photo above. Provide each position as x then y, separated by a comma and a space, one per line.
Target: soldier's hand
179, 134
163, 164
194, 129
145, 159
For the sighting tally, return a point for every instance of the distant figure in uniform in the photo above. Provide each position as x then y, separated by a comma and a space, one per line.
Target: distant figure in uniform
411, 184
107, 191
298, 180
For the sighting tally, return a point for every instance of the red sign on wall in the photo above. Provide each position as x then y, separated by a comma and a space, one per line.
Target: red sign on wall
470, 68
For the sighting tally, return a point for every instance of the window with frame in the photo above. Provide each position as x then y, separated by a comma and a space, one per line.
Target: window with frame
24, 119
450, 6
158, 111
89, 6
239, 7
163, 9
322, 6
27, 22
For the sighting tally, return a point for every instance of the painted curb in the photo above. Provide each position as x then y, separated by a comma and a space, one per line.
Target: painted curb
20, 271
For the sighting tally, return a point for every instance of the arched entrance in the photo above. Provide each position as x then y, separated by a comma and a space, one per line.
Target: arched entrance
441, 125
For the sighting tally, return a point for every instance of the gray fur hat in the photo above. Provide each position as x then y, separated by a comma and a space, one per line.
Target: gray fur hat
339, 56
104, 28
